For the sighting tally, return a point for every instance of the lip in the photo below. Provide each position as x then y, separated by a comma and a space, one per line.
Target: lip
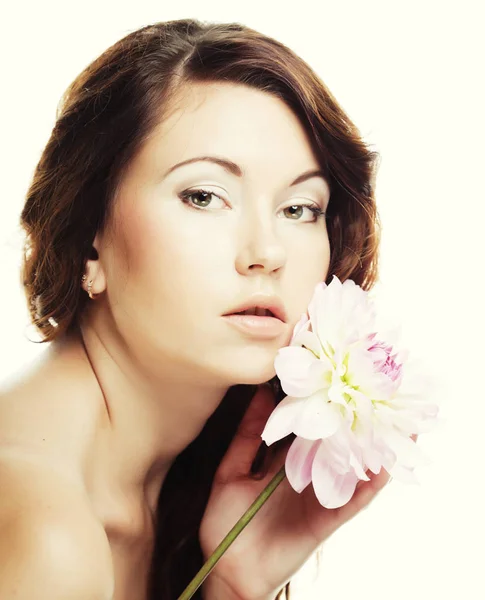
267, 301
265, 328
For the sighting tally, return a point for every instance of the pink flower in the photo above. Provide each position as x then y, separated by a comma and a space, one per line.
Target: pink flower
384, 360
352, 400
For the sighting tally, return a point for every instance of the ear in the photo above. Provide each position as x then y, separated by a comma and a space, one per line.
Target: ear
94, 270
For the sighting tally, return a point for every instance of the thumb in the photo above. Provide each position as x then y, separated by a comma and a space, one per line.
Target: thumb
247, 439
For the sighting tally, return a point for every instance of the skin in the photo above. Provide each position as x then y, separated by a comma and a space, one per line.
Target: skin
285, 532
163, 356
153, 352
167, 272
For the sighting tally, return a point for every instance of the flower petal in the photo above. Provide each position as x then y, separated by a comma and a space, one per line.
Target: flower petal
402, 419
300, 372
403, 474
363, 431
310, 341
299, 460
281, 421
372, 459
362, 375
341, 313
364, 407
338, 454
332, 489
345, 453
408, 453
301, 326
318, 418
357, 458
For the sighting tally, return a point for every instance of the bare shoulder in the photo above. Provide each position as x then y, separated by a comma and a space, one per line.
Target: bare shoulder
47, 411
51, 546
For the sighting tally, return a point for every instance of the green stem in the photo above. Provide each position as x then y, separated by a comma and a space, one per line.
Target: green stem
198, 580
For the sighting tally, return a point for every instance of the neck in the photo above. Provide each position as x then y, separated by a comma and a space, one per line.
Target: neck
152, 417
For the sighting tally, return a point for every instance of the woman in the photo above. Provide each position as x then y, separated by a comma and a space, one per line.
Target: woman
130, 450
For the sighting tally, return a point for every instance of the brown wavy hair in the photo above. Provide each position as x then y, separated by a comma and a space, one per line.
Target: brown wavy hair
102, 120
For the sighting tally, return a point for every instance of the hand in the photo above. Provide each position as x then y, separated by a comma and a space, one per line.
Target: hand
287, 529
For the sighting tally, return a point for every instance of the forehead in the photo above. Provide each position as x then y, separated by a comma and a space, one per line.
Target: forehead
250, 127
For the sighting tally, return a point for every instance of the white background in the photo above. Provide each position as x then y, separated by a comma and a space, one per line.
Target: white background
410, 75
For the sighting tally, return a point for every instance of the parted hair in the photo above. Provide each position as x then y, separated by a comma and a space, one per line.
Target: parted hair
102, 120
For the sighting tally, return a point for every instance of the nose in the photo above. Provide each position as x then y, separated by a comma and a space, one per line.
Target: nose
260, 251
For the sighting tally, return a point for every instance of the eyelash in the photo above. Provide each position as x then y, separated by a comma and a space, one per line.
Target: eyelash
185, 197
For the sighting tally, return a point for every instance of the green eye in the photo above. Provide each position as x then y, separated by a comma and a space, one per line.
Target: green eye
201, 198
188, 195
296, 210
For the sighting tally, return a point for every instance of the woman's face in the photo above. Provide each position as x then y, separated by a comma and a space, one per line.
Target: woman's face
173, 268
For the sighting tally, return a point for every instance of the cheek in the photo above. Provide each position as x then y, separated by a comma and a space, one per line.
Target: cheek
153, 242
321, 257
307, 266
172, 258
309, 258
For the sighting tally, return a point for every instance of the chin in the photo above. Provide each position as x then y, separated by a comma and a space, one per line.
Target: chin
253, 376
250, 365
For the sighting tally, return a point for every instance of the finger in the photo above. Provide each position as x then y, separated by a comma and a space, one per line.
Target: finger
380, 480
247, 439
365, 492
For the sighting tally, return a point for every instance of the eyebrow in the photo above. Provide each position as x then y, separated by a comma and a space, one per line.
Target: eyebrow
235, 169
